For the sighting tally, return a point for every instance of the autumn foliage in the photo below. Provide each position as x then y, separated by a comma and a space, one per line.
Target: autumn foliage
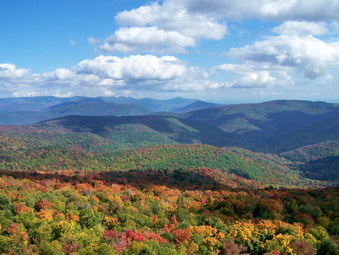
67, 214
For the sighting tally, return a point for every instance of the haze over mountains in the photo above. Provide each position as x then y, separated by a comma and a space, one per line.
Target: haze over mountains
274, 126
29, 110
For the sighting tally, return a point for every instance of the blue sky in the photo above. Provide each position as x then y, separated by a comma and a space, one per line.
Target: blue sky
216, 50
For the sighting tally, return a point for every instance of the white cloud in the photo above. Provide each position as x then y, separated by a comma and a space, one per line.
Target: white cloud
146, 39
301, 28
174, 25
173, 16
269, 93
10, 71
59, 74
195, 85
294, 47
134, 67
254, 76
111, 75
25, 93
156, 28
315, 10
101, 76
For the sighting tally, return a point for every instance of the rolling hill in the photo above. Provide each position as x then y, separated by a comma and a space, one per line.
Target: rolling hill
317, 161
236, 161
143, 131
303, 133
275, 126
61, 147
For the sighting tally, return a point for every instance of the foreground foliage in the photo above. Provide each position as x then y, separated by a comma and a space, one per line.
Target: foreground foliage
93, 214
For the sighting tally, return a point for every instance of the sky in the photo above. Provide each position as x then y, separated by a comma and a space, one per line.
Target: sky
222, 51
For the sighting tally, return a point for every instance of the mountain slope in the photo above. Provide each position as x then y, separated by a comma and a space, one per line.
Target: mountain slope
94, 108
141, 131
317, 161
238, 161
19, 104
88, 107
230, 167
30, 110
154, 105
98, 144
197, 105
275, 126
325, 128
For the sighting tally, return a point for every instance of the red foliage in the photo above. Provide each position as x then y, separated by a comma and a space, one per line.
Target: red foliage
174, 219
43, 205
71, 247
110, 234
182, 235
155, 237
134, 236
19, 208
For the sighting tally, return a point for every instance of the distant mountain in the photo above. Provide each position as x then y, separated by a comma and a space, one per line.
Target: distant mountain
197, 105
323, 127
17, 104
29, 110
73, 102
154, 105
20, 104
95, 108
90, 107
23, 117
275, 126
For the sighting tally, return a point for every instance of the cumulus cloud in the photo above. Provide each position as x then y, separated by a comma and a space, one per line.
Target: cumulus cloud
257, 76
317, 10
295, 46
173, 16
301, 28
112, 75
146, 39
175, 25
134, 67
111, 71
158, 28
105, 75
10, 71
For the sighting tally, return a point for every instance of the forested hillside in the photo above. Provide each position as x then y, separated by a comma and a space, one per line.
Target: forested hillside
276, 126
173, 184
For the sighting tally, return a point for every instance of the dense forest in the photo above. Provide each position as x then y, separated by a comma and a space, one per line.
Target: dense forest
224, 180
66, 213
